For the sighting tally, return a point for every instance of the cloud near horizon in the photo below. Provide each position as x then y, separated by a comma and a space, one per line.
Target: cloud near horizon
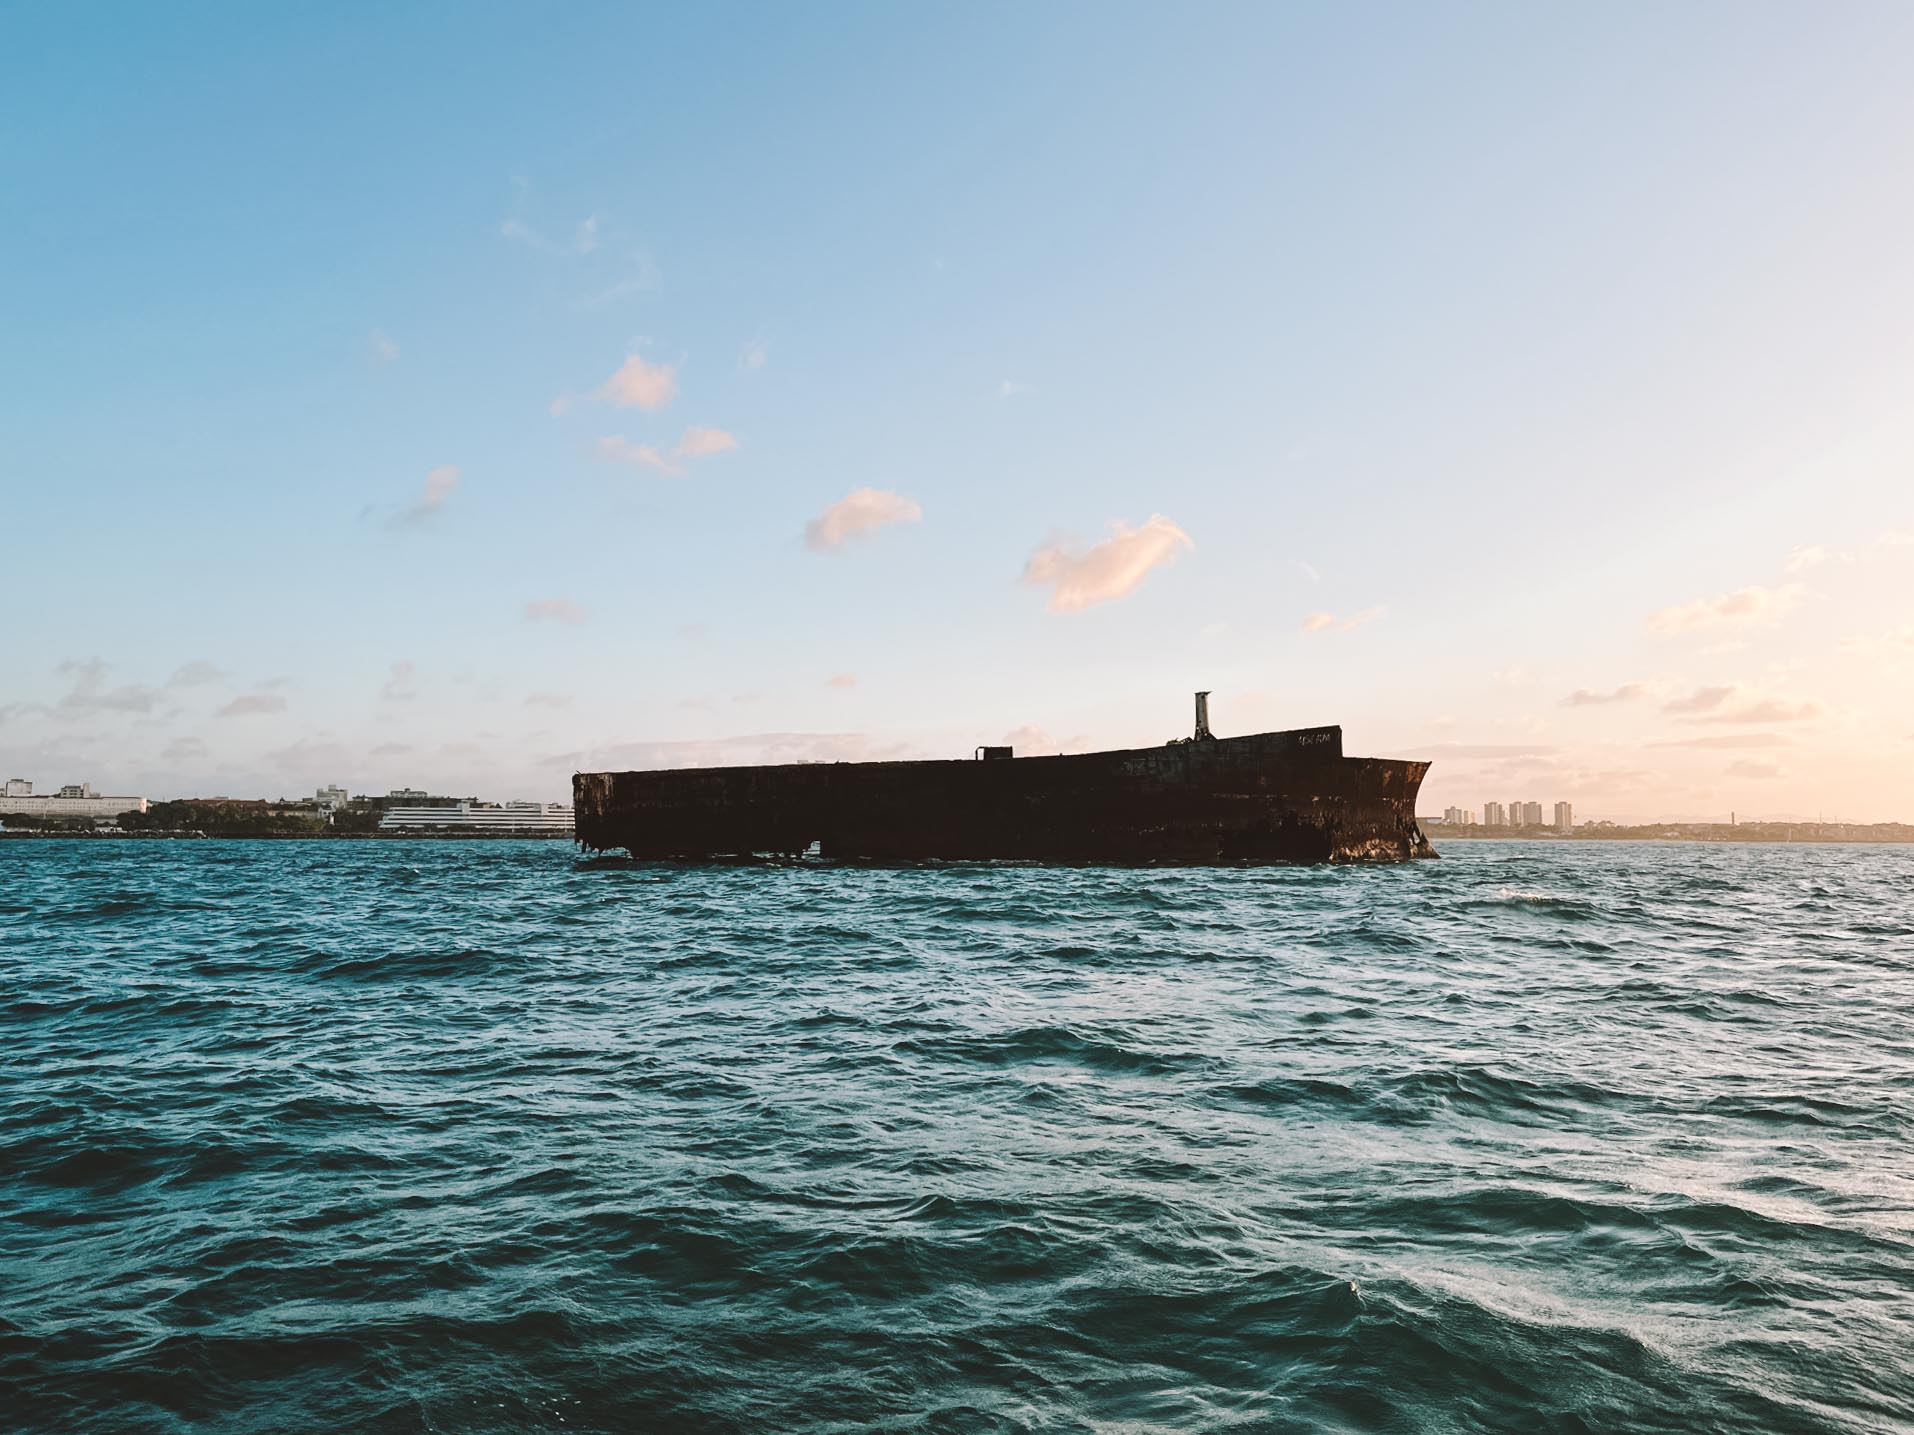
398, 687
90, 694
1326, 622
861, 512
1107, 570
744, 750
1728, 740
1733, 703
194, 674
1753, 604
1588, 697
253, 705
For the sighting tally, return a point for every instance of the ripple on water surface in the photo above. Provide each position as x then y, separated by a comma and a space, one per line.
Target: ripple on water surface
441, 1136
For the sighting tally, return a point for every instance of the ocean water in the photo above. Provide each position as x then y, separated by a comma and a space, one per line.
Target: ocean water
467, 1137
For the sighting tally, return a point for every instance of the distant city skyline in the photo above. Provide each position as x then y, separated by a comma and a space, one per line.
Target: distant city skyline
891, 386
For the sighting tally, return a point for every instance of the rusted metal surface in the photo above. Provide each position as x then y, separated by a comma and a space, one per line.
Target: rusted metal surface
1271, 797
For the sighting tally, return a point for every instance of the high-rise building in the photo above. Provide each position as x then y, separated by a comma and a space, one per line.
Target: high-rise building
1564, 816
1455, 816
1515, 814
1531, 814
1494, 814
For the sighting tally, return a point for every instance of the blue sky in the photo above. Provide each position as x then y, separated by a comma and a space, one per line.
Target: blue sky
1555, 356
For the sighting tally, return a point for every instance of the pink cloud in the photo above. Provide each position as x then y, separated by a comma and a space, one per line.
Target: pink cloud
639, 384
1587, 697
1700, 700
700, 442
1735, 704
1330, 623
1743, 606
857, 513
1107, 570
841, 680
616, 448
440, 484
1770, 710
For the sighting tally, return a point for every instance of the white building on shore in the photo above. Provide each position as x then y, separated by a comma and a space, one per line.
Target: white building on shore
478, 817
76, 799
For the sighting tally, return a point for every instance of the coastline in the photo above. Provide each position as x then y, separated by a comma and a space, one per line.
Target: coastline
1803, 835
441, 835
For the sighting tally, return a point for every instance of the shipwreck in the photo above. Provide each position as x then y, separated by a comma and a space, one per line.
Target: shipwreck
1268, 797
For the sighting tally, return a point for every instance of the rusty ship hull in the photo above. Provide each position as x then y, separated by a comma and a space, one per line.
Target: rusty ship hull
1281, 797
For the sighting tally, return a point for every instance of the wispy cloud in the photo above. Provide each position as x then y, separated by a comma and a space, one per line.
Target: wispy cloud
641, 277
1589, 697
440, 484
753, 355
1010, 389
702, 442
89, 693
399, 685
383, 350
1700, 700
1479, 750
1760, 771
860, 512
1078, 579
547, 700
1728, 740
616, 448
1806, 556
1744, 606
841, 680
194, 674
1893, 643
747, 749
1765, 710
554, 610
1734, 704
253, 705
519, 231
698, 442
1325, 622
1031, 740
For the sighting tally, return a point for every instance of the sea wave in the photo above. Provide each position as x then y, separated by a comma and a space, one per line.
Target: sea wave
477, 1137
